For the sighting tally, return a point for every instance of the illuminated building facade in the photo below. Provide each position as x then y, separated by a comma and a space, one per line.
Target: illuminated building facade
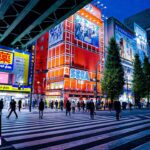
14, 74
131, 42
74, 48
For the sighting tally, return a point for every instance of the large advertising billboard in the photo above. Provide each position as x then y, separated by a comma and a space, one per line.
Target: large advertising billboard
126, 42
141, 40
55, 35
21, 63
6, 60
14, 66
86, 31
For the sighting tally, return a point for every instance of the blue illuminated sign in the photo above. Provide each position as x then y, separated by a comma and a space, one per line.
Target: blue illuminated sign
79, 74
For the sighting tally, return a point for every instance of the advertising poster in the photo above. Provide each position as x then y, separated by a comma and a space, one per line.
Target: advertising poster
126, 42
86, 31
141, 40
55, 35
21, 63
6, 60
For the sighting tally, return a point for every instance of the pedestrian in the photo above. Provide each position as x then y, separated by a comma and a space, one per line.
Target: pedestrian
91, 108
73, 107
117, 107
61, 105
130, 106
19, 104
1, 105
110, 106
68, 107
83, 106
41, 109
78, 105
12, 108
52, 105
56, 104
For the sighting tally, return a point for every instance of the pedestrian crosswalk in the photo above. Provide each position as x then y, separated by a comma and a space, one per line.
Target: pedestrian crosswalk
76, 132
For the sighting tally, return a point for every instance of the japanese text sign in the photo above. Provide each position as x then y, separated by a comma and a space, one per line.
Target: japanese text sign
6, 60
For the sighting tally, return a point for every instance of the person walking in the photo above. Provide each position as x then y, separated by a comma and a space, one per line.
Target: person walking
83, 106
1, 105
12, 108
68, 107
130, 106
117, 107
78, 105
61, 105
41, 109
110, 106
19, 104
73, 107
52, 105
91, 108
56, 104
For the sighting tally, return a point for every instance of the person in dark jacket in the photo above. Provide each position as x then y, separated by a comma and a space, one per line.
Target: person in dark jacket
41, 108
1, 105
61, 105
91, 108
12, 108
68, 107
83, 106
78, 105
117, 107
56, 104
19, 104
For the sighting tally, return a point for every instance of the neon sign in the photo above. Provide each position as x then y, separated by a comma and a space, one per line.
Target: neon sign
79, 74
6, 60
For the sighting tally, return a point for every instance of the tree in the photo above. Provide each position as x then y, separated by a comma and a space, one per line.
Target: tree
113, 77
146, 71
138, 80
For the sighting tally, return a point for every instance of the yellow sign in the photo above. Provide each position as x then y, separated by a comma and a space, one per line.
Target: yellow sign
22, 67
11, 88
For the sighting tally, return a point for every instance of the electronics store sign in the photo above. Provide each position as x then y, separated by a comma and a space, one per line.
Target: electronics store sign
79, 74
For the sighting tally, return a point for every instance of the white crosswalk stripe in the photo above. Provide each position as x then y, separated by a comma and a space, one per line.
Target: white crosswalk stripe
57, 132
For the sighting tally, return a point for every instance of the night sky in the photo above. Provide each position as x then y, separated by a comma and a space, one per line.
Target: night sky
122, 9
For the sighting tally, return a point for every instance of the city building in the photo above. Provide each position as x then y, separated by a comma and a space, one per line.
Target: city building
75, 52
142, 20
127, 43
14, 75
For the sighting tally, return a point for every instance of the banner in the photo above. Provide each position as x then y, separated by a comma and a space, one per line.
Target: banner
86, 31
11, 88
6, 60
141, 40
21, 63
55, 35
126, 42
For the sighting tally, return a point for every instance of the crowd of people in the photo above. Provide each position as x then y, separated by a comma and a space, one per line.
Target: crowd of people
71, 106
